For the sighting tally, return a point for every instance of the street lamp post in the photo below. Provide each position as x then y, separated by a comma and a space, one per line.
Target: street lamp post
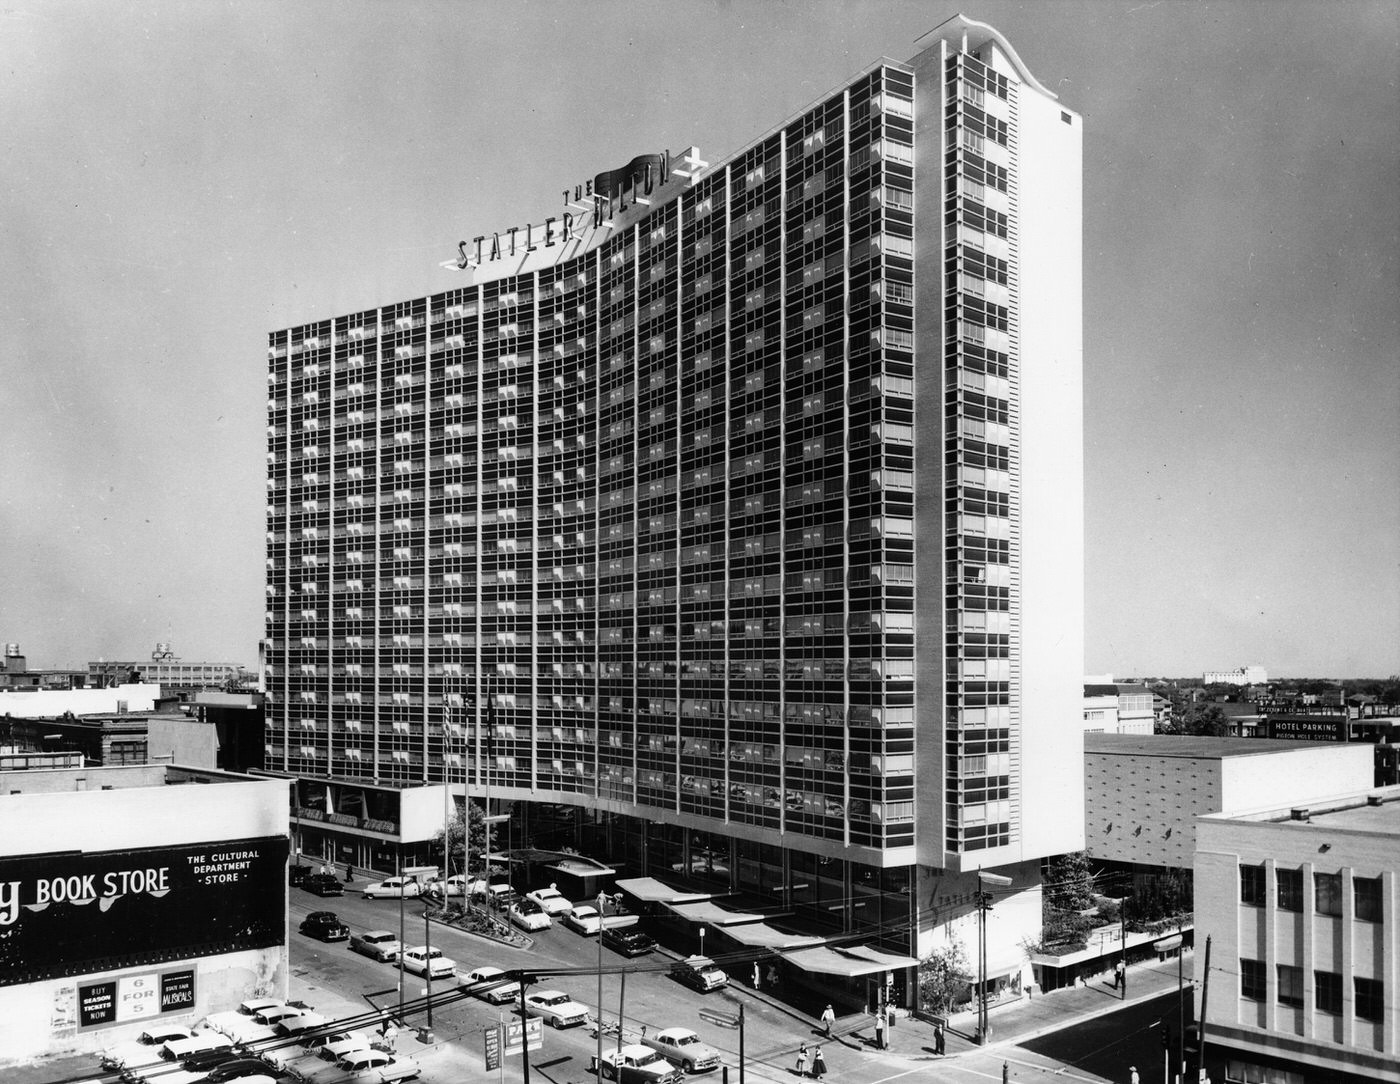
984, 904
602, 896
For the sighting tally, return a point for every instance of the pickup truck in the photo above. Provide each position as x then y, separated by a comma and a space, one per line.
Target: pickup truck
635, 1064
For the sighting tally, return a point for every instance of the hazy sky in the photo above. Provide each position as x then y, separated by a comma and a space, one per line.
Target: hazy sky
178, 179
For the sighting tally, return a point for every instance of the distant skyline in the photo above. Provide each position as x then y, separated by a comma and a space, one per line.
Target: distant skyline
178, 180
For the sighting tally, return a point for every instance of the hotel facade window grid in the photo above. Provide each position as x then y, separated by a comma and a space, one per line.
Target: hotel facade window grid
725, 510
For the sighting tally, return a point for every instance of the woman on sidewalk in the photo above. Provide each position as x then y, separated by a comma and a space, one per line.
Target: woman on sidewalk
818, 1063
801, 1066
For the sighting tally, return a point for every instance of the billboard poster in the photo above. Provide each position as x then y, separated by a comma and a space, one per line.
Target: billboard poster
135, 997
79, 913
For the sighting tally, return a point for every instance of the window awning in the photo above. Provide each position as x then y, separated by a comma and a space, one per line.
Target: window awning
762, 935
848, 962
715, 915
650, 890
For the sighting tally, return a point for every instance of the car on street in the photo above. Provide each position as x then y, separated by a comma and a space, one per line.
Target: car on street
490, 984
375, 1065
628, 940
324, 926
324, 884
377, 944
635, 1064
528, 915
320, 1065
583, 918
273, 1013
422, 960
683, 1047
393, 888
453, 888
555, 1008
549, 900
699, 973
239, 1027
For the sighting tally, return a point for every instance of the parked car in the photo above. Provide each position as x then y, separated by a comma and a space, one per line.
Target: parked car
377, 944
490, 984
583, 918
239, 1026
304, 1058
295, 1025
325, 926
683, 1047
297, 873
699, 973
240, 1069
422, 960
376, 1065
274, 1013
324, 884
528, 915
628, 940
635, 1064
549, 900
145, 1047
393, 888
255, 1005
555, 1008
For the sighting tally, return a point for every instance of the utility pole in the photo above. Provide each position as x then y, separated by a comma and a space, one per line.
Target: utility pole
601, 897
1201, 1020
984, 904
1123, 936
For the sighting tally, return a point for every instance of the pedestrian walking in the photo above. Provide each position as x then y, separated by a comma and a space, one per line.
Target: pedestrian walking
938, 1038
1118, 975
818, 1063
801, 1067
879, 1028
1133, 1075
828, 1020
349, 873
391, 1035
772, 976
757, 977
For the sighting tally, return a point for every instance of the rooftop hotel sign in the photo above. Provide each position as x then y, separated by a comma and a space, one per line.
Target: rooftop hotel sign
77, 913
591, 211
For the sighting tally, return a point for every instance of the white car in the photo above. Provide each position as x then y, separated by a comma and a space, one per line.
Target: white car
295, 1025
306, 1058
145, 1048
528, 915
239, 1026
550, 900
555, 1008
683, 1047
422, 960
490, 984
377, 945
376, 1065
454, 886
273, 1013
393, 888
584, 918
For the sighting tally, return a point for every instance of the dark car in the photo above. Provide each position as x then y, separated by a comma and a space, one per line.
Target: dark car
323, 884
236, 1069
206, 1060
297, 874
325, 926
627, 940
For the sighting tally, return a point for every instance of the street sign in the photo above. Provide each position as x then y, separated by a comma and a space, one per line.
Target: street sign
721, 1019
520, 1032
493, 1048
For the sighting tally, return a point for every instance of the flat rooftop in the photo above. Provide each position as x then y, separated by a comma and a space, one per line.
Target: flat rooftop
117, 777
1195, 748
1345, 812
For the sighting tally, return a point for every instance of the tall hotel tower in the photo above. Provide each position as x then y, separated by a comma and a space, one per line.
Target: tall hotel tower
727, 524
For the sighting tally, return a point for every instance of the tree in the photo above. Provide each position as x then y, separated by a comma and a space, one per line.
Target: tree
1204, 720
1069, 883
454, 839
945, 977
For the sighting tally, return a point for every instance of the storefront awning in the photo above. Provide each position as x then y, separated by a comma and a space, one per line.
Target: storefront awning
762, 935
846, 962
581, 869
650, 890
715, 915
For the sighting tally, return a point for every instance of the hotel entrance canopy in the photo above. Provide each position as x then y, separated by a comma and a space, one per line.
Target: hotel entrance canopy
848, 961
650, 890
